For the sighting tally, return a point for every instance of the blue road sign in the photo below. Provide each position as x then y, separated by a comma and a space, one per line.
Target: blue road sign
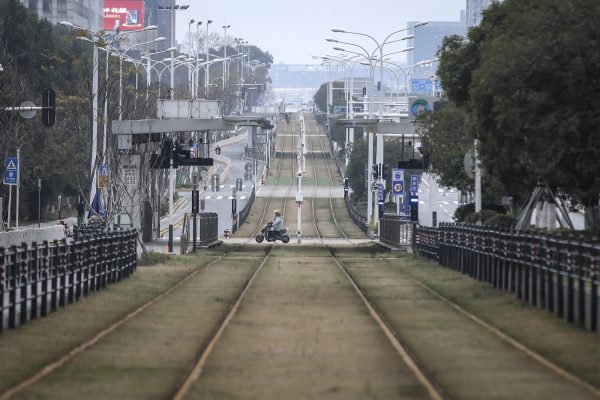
414, 183
12, 171
424, 85
397, 182
103, 170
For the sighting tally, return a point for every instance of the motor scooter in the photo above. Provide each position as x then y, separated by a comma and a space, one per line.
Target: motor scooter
266, 233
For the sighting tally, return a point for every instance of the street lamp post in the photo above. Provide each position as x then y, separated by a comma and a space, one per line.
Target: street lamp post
225, 27
207, 71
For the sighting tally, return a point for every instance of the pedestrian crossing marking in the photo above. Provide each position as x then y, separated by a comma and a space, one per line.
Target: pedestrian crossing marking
219, 197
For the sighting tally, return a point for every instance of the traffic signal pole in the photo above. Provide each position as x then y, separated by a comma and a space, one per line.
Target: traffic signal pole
379, 161
171, 192
369, 179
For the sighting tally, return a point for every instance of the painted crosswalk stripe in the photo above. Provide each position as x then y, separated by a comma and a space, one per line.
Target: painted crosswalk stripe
219, 197
242, 197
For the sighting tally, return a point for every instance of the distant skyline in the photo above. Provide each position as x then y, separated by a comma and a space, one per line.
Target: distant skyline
295, 30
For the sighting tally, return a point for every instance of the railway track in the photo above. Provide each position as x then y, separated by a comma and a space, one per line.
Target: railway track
206, 347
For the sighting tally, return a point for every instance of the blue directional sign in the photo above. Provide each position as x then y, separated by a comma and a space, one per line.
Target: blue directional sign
424, 85
11, 172
397, 182
414, 183
103, 170
380, 193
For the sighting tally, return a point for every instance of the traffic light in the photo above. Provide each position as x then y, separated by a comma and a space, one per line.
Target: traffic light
181, 154
364, 91
48, 107
384, 171
379, 86
375, 171
413, 163
414, 208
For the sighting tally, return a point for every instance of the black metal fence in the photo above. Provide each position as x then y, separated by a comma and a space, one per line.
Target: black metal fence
37, 279
552, 272
243, 214
395, 231
357, 217
209, 228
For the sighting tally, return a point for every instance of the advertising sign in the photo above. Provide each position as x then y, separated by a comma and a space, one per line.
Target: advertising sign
123, 15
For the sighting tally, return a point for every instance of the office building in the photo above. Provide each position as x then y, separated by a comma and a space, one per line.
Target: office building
85, 13
475, 9
428, 39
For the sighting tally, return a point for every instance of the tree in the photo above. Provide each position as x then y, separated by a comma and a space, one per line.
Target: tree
395, 150
528, 79
320, 97
446, 140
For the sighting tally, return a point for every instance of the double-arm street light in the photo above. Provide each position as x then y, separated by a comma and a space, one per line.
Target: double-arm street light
95, 67
225, 27
370, 58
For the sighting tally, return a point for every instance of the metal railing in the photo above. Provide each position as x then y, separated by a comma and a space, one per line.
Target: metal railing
37, 279
243, 214
552, 272
395, 231
209, 228
357, 217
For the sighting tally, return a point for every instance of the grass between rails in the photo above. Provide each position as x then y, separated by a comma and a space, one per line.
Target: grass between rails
147, 357
25, 350
462, 356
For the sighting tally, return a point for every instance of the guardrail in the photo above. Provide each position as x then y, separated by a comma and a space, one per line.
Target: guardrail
243, 214
552, 272
395, 231
208, 223
357, 217
37, 279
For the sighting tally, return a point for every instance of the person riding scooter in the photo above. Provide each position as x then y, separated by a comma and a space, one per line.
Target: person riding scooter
276, 224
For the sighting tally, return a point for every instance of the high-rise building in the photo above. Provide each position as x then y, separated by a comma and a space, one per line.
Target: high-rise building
85, 13
475, 9
429, 37
157, 14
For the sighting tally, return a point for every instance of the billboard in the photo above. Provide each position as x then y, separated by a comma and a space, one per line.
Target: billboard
123, 15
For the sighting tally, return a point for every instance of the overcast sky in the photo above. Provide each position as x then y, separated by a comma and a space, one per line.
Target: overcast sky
294, 30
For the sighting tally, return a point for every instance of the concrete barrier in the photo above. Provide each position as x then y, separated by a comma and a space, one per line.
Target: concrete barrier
32, 233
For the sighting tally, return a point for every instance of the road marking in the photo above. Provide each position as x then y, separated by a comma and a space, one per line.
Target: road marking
207, 197
421, 202
219, 197
455, 202
445, 202
242, 197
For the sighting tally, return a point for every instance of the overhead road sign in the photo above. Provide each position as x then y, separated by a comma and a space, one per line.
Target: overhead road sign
146, 126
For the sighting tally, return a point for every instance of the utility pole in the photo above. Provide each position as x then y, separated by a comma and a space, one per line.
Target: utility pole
477, 179
39, 201
18, 186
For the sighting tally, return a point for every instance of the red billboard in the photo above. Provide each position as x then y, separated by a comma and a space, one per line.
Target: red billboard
123, 15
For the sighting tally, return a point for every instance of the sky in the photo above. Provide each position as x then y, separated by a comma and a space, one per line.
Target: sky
295, 30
